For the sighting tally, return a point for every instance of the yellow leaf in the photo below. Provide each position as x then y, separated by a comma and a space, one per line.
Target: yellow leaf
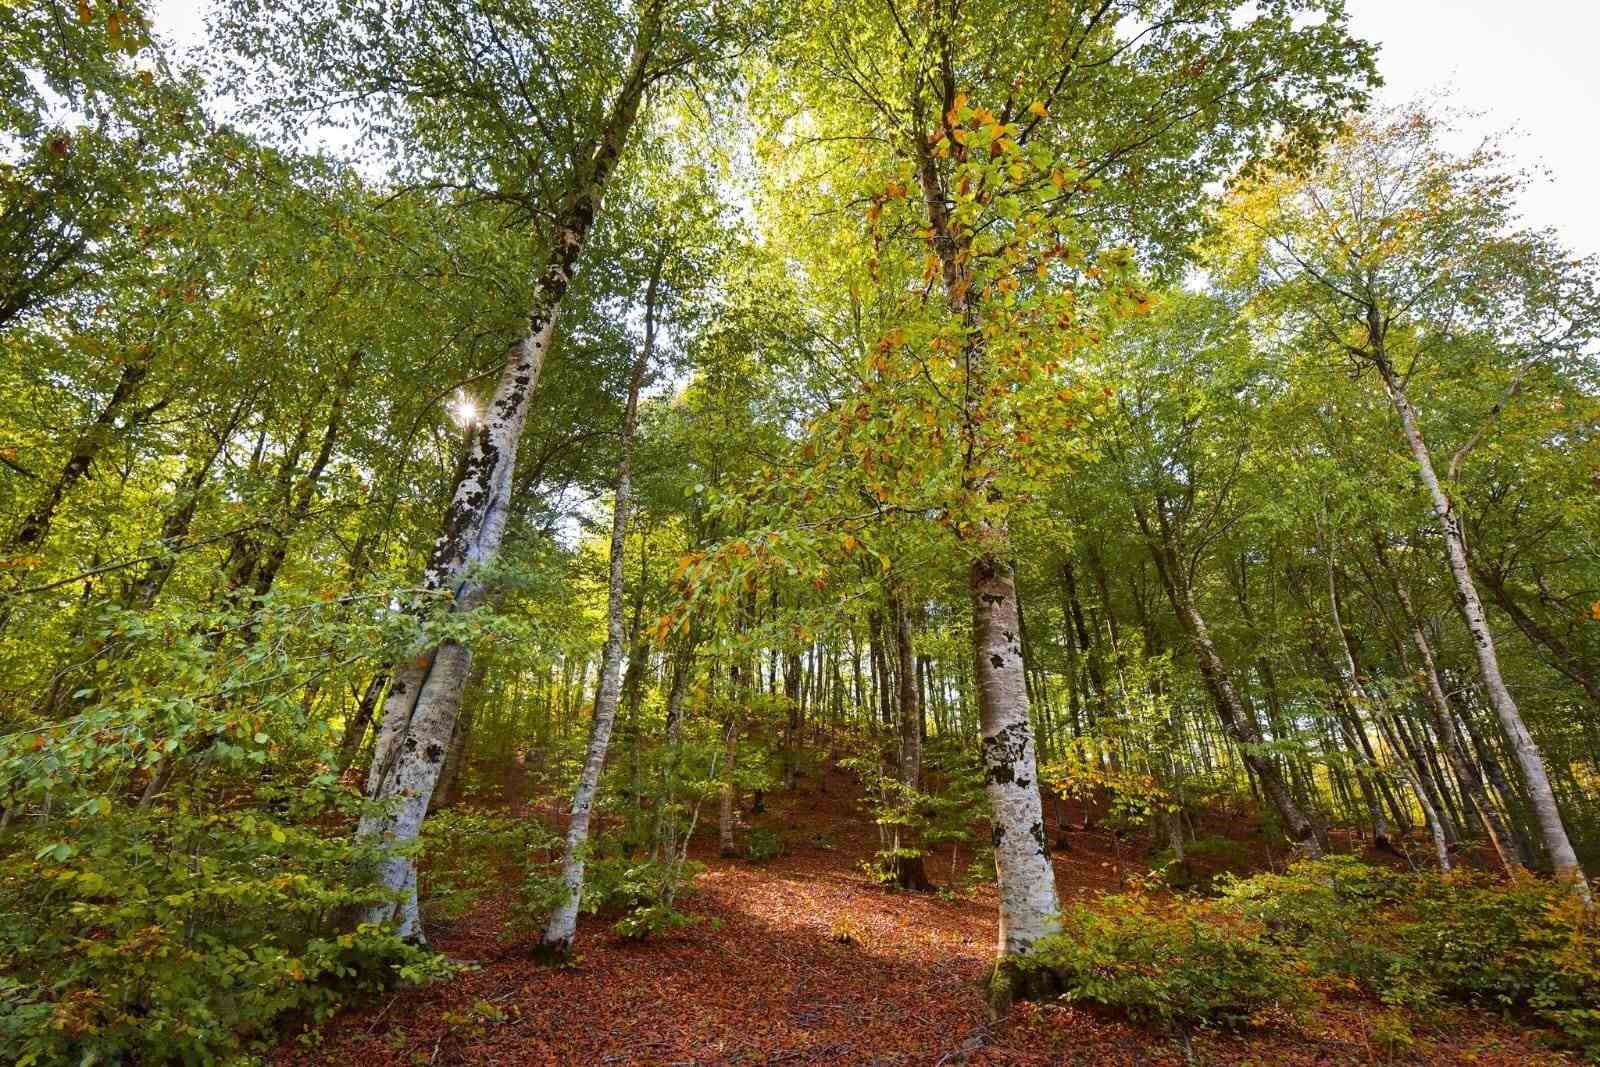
1037, 108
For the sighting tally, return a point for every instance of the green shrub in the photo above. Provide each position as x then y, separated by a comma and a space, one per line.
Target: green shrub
761, 845
1171, 963
1419, 940
640, 895
180, 937
464, 853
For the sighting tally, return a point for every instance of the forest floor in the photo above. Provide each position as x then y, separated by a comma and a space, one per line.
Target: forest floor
808, 962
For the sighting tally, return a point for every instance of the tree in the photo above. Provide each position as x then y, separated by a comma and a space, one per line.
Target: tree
1401, 257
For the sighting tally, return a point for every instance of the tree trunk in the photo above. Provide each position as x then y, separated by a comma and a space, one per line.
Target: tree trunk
727, 844
563, 924
355, 731
1557, 654
31, 532
910, 872
1541, 795
1237, 721
1424, 795
449, 787
1029, 907
791, 735
419, 715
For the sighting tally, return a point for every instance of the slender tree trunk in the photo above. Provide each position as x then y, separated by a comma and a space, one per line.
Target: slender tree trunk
1541, 795
355, 731
32, 531
791, 734
305, 496
563, 923
1236, 718
666, 842
727, 843
1424, 794
910, 872
143, 591
420, 713
1556, 651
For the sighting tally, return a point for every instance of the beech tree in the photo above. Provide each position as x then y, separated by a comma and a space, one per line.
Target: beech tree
1403, 257
433, 82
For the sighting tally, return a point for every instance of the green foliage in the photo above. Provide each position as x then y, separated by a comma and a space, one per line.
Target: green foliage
465, 852
762, 845
183, 936
922, 822
640, 895
1416, 941
1170, 963
1419, 940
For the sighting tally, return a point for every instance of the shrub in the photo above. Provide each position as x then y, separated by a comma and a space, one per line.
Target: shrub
640, 895
180, 937
464, 851
1172, 964
762, 845
1418, 940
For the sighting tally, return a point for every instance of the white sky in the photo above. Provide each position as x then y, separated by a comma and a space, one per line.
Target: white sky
1529, 66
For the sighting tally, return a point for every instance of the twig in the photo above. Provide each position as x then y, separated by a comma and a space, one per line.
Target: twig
972, 1042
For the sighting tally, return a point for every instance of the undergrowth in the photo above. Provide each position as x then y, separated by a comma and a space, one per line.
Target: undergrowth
1270, 944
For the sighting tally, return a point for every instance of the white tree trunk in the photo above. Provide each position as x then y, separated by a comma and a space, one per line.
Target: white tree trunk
563, 923
419, 715
1540, 794
1029, 908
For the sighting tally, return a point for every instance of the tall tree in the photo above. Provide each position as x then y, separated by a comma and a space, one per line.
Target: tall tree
1403, 257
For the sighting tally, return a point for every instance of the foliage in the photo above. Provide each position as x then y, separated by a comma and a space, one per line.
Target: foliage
1419, 939
465, 853
762, 845
638, 895
183, 935
1414, 940
1170, 963
944, 812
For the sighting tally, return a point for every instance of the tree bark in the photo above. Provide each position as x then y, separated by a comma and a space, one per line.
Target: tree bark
1541, 795
1029, 907
1465, 768
420, 713
563, 923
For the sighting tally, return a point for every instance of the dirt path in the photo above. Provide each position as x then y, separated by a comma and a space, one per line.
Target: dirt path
804, 961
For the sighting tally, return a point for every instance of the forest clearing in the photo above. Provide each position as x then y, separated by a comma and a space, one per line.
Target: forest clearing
844, 531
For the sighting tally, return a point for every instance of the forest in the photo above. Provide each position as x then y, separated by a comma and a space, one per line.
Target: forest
838, 531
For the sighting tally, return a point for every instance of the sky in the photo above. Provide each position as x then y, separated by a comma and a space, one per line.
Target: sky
1526, 67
